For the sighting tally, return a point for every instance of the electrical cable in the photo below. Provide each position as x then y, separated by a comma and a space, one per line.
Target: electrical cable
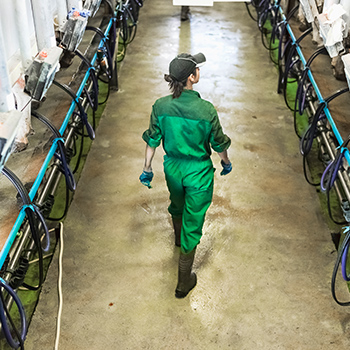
59, 288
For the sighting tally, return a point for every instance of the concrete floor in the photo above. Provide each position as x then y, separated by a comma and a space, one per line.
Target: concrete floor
265, 261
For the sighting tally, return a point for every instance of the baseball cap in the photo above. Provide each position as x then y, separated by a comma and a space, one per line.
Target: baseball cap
183, 65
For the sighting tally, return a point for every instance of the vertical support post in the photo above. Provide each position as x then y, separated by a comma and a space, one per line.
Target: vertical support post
62, 12
43, 23
7, 102
22, 28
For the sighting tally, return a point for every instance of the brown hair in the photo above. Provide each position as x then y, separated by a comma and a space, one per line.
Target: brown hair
176, 87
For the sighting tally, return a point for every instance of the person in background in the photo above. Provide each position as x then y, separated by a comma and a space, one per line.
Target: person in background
185, 13
188, 128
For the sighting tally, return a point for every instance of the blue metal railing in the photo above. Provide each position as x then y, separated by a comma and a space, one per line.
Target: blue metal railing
313, 82
33, 191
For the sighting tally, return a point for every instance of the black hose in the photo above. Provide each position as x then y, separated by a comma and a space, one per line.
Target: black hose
70, 181
283, 51
30, 210
300, 90
94, 106
5, 314
289, 64
104, 38
82, 113
307, 139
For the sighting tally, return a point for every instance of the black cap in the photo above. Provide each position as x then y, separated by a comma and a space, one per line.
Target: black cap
182, 66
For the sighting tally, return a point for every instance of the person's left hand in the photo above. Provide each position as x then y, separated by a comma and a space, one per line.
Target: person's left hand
226, 168
146, 178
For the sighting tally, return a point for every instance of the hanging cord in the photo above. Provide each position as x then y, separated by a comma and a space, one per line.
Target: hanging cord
82, 113
5, 315
59, 287
343, 251
70, 180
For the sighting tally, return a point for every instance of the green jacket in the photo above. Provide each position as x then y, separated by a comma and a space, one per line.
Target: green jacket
187, 127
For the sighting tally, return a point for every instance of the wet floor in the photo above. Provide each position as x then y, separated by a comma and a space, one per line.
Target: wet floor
266, 257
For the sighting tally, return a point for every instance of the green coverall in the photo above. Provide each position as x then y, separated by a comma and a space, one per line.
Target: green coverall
187, 126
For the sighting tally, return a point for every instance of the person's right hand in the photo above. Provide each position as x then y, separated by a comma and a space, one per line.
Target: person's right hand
146, 178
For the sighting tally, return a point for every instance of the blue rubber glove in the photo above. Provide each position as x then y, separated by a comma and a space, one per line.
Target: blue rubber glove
227, 168
146, 178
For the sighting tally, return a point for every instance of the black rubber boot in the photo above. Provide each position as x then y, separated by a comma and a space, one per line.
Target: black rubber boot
177, 223
187, 279
185, 13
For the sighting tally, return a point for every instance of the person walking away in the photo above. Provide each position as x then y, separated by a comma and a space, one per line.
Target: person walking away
185, 13
188, 128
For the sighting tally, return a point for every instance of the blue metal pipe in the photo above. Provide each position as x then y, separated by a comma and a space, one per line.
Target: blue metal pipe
317, 90
8, 244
